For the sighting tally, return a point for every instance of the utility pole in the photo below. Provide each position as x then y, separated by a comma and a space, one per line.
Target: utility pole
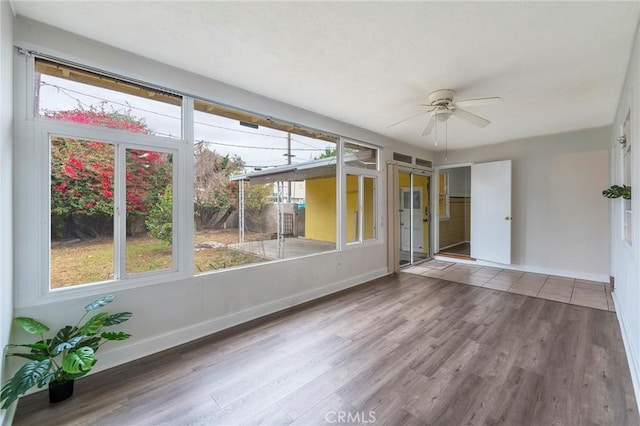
289, 155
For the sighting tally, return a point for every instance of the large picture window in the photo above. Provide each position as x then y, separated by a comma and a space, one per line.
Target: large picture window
112, 212
122, 207
262, 190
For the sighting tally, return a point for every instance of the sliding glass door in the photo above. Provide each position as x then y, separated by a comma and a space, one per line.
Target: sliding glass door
414, 216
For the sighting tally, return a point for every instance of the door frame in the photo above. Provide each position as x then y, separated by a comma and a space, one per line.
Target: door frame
435, 194
393, 229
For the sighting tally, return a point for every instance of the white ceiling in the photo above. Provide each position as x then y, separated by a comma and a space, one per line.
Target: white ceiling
558, 66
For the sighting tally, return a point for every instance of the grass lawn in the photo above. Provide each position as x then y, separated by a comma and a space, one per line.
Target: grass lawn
92, 261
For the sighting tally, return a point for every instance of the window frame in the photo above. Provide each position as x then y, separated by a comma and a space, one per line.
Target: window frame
361, 173
121, 140
34, 158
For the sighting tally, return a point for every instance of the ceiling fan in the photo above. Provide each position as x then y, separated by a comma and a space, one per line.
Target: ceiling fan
442, 106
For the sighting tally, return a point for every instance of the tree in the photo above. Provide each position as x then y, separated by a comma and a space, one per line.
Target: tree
215, 196
82, 175
328, 153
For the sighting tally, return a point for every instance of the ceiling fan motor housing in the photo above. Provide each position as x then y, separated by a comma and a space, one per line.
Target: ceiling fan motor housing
442, 97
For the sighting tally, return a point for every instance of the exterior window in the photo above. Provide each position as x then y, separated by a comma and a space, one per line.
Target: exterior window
71, 94
86, 195
357, 155
82, 189
353, 209
369, 202
361, 208
361, 166
111, 199
149, 206
443, 196
262, 190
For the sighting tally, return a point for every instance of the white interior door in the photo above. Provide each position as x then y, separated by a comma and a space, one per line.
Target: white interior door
407, 222
491, 211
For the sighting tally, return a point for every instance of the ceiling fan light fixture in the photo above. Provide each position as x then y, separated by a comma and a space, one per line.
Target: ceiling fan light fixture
442, 114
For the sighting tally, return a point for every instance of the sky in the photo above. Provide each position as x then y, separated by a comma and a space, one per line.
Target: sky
258, 148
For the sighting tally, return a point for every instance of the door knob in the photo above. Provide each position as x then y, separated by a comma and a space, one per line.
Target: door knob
507, 218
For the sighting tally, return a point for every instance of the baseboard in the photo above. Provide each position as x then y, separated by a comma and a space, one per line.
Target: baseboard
632, 358
156, 344
6, 416
603, 278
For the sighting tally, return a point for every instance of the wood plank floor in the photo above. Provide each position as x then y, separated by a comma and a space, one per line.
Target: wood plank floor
401, 350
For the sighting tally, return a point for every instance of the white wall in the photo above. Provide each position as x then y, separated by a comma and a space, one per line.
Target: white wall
6, 158
560, 219
625, 265
172, 313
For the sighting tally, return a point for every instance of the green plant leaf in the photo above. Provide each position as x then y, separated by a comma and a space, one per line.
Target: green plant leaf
113, 335
63, 335
35, 357
31, 326
94, 325
93, 343
79, 361
99, 303
117, 318
70, 344
617, 191
39, 345
30, 374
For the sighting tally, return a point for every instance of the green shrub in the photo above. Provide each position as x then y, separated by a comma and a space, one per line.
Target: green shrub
159, 222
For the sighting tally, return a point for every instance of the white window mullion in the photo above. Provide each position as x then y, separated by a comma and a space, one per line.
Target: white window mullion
120, 213
183, 222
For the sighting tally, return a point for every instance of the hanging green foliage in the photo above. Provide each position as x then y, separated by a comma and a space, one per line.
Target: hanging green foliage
616, 191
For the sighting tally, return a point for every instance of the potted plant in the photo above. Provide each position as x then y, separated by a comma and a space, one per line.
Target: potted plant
58, 361
617, 191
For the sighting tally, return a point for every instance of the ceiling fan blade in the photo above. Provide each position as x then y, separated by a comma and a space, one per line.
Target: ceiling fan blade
477, 102
429, 128
471, 118
407, 119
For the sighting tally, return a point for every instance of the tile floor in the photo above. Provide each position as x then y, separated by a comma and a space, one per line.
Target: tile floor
561, 289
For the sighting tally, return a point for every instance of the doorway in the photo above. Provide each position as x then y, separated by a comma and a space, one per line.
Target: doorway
478, 196
454, 211
413, 194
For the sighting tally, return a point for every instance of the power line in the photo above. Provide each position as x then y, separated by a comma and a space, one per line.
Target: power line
235, 145
126, 105
65, 90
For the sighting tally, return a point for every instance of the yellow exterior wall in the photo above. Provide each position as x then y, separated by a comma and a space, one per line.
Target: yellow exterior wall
320, 214
369, 209
419, 181
352, 207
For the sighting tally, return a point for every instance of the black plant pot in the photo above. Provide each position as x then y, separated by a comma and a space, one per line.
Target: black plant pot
58, 392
